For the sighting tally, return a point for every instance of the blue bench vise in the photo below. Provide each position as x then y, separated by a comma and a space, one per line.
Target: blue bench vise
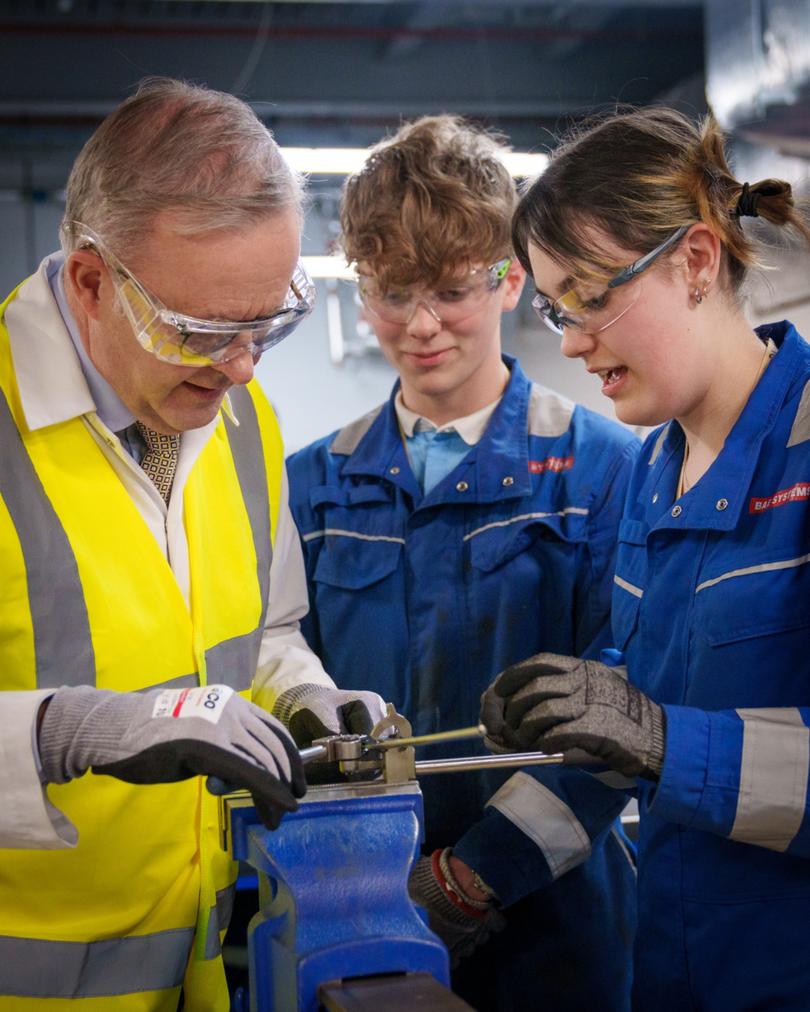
336, 927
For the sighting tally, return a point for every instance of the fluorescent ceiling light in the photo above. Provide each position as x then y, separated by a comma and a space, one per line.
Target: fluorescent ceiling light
342, 161
328, 267
525, 163
338, 160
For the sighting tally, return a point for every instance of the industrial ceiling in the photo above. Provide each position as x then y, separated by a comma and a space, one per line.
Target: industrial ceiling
332, 73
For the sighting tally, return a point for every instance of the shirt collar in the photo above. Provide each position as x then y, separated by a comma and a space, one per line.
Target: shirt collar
471, 427
109, 407
55, 377
501, 452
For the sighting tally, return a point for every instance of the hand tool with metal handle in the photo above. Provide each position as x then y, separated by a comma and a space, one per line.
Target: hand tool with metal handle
394, 757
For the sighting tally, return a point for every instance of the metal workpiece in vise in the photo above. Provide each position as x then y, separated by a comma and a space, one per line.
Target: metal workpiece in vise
388, 753
336, 927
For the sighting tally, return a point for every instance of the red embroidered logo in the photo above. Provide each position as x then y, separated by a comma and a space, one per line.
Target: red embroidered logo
797, 492
551, 464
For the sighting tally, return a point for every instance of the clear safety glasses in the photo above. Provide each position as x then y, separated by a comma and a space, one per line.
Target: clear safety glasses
597, 314
451, 304
186, 340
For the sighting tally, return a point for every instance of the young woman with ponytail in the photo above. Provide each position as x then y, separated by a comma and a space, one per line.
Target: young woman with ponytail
636, 242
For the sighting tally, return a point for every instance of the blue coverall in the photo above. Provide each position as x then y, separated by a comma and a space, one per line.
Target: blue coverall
426, 599
712, 608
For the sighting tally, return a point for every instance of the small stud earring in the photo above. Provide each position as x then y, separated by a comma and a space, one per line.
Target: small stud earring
698, 296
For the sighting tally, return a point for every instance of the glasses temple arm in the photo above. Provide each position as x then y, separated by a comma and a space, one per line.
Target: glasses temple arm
644, 262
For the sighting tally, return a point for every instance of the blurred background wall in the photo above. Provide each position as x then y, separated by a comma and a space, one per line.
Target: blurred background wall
334, 74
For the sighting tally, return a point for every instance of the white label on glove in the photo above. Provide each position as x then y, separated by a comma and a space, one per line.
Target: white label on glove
207, 702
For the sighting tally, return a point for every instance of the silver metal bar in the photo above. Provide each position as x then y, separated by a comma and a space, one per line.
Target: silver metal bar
478, 731
313, 752
484, 762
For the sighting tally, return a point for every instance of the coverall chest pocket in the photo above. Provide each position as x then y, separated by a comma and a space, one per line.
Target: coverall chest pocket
353, 561
499, 542
360, 545
629, 580
763, 595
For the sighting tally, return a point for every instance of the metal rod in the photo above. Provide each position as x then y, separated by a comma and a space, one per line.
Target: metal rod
313, 752
478, 731
484, 762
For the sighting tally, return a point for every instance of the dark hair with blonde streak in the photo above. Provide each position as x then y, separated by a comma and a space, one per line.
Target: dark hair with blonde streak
433, 199
638, 176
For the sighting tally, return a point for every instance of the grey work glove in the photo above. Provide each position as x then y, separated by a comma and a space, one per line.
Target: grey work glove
167, 735
558, 704
460, 931
313, 711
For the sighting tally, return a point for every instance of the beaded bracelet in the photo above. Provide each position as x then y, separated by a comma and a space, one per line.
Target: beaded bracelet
453, 885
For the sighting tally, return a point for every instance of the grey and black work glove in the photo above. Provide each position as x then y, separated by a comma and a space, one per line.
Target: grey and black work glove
461, 927
167, 735
313, 711
553, 704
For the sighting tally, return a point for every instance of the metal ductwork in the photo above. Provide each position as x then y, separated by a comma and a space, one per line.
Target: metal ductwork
758, 70
758, 86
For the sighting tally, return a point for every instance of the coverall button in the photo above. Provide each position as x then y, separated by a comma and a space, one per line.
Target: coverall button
508, 480
655, 497
462, 486
676, 511
721, 504
393, 470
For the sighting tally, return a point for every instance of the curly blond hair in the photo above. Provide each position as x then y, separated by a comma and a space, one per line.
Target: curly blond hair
431, 200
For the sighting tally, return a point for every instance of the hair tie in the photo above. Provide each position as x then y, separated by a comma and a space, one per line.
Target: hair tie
747, 203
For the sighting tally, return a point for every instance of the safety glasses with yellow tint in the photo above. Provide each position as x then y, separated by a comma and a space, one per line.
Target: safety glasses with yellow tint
600, 312
186, 340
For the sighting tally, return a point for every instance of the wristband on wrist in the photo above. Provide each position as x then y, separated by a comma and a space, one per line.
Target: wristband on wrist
479, 883
453, 891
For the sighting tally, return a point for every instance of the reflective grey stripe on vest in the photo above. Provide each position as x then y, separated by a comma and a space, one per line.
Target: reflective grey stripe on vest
62, 644
218, 920
33, 968
181, 682
233, 662
348, 439
549, 413
800, 431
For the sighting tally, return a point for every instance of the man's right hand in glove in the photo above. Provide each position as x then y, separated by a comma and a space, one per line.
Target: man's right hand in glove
166, 735
460, 925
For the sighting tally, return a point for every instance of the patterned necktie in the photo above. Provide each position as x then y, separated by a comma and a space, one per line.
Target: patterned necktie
160, 460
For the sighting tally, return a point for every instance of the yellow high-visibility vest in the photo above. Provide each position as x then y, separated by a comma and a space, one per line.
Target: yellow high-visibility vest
87, 597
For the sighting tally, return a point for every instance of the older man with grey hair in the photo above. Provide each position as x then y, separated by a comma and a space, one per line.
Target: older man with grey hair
152, 576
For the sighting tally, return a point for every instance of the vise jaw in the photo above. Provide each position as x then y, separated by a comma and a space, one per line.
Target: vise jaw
333, 896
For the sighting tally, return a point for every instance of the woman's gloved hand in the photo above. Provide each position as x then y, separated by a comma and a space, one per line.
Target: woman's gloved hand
167, 735
553, 703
